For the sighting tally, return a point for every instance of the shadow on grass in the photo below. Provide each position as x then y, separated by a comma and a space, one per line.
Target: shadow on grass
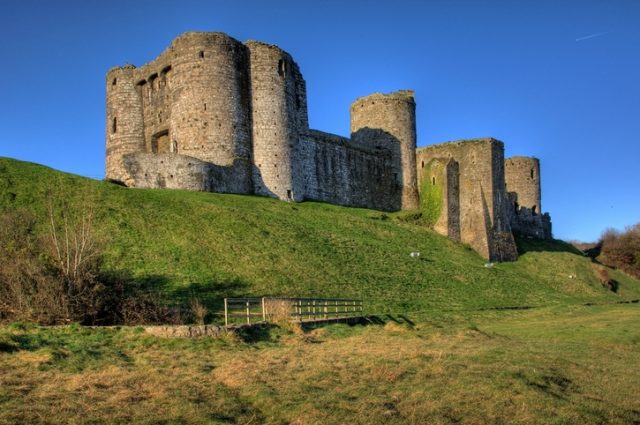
176, 295
400, 319
262, 332
211, 294
529, 244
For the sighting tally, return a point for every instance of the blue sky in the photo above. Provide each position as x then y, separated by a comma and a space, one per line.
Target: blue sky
559, 80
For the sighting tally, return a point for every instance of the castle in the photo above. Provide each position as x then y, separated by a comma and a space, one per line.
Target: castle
214, 114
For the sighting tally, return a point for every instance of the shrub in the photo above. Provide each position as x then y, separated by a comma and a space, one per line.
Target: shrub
605, 280
278, 310
199, 311
54, 276
621, 249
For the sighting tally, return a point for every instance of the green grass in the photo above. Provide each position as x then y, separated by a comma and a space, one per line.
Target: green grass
458, 342
558, 365
431, 193
217, 245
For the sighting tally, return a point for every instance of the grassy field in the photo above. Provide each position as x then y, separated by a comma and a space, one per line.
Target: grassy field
556, 365
209, 245
538, 340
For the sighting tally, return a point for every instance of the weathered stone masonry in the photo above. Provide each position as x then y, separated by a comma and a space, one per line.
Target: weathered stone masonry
213, 114
522, 176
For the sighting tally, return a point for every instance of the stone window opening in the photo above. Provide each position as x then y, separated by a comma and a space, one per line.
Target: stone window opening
532, 173
201, 54
160, 143
205, 106
114, 125
113, 83
533, 210
289, 197
422, 164
433, 181
152, 80
282, 67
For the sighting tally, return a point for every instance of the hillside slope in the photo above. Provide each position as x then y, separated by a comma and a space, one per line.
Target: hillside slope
217, 245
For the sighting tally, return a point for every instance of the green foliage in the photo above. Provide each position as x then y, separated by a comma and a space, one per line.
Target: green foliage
431, 196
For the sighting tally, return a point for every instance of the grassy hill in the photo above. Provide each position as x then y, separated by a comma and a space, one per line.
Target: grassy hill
469, 353
216, 245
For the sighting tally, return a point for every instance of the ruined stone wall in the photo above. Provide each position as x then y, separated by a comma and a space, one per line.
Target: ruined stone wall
484, 223
171, 171
279, 116
213, 114
193, 100
391, 116
124, 126
522, 178
438, 183
343, 172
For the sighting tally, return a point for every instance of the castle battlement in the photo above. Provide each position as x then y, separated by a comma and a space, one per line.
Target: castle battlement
211, 113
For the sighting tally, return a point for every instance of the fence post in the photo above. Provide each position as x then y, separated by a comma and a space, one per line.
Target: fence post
226, 313
248, 312
264, 312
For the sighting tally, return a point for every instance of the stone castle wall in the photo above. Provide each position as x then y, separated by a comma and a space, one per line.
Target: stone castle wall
242, 109
279, 116
192, 100
213, 114
484, 223
439, 185
522, 178
343, 172
391, 119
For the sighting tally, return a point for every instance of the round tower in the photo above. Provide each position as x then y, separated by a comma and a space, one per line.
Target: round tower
522, 177
124, 127
278, 113
210, 118
391, 119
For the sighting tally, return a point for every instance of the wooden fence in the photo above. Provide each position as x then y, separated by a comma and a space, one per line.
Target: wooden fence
269, 309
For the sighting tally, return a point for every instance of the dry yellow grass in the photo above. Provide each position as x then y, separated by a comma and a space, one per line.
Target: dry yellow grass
546, 366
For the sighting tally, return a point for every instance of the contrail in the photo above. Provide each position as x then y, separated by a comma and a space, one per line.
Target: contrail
586, 37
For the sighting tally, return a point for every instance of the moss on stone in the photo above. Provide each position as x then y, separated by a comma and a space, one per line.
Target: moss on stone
431, 195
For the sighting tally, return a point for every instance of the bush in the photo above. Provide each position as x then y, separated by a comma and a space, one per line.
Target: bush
605, 280
52, 275
621, 249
